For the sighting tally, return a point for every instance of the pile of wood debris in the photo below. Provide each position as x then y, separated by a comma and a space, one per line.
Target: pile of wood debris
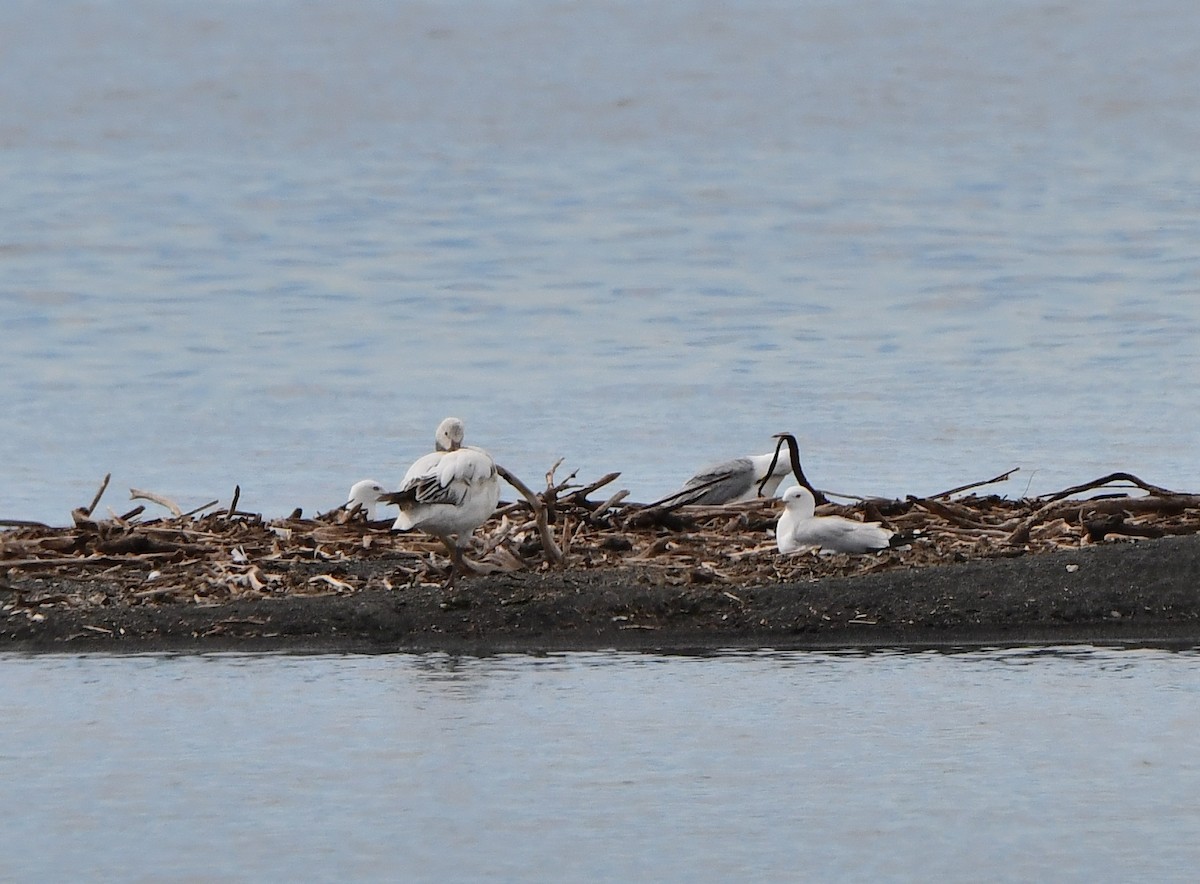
218, 553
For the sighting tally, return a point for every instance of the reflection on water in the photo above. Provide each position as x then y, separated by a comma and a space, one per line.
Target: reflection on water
748, 766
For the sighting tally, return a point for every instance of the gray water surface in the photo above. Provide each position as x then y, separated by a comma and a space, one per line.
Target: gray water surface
1068, 763
273, 243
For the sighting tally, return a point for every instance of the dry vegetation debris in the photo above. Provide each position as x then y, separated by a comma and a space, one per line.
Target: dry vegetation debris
218, 554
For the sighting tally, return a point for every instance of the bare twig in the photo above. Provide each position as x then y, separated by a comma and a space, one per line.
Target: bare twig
565, 544
555, 490
498, 537
193, 512
581, 494
950, 514
70, 561
1003, 477
21, 523
237, 493
611, 502
553, 469
95, 500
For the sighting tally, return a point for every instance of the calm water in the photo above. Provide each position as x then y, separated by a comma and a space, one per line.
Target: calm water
273, 243
1074, 764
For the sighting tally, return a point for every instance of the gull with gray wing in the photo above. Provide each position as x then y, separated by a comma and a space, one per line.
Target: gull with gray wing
740, 479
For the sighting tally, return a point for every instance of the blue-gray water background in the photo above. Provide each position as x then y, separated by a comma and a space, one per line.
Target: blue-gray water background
1070, 764
274, 243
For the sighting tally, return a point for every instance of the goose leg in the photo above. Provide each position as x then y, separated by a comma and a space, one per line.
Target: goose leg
456, 559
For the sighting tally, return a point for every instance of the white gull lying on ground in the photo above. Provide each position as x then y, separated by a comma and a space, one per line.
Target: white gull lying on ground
800, 528
743, 478
365, 494
449, 492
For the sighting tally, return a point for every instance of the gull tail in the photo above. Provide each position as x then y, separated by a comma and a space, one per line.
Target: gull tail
904, 539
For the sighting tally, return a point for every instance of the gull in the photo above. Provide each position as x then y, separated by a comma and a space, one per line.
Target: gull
800, 528
365, 494
743, 478
449, 492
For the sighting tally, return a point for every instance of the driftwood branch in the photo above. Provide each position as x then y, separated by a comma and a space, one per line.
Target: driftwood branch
136, 494
1003, 477
1165, 504
100, 493
200, 508
21, 523
953, 515
553, 555
1105, 481
611, 502
554, 469
580, 494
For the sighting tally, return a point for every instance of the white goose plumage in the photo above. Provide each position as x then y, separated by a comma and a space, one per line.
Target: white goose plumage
800, 529
449, 492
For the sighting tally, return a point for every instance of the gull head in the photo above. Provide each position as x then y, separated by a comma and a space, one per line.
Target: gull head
365, 494
799, 500
449, 436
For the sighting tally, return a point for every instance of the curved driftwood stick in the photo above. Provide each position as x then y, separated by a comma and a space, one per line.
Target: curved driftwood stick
1003, 477
1107, 480
135, 494
553, 555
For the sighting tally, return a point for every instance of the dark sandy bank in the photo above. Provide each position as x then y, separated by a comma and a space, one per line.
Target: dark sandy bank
1143, 591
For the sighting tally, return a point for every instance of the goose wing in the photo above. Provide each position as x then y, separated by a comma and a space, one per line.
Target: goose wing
446, 477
